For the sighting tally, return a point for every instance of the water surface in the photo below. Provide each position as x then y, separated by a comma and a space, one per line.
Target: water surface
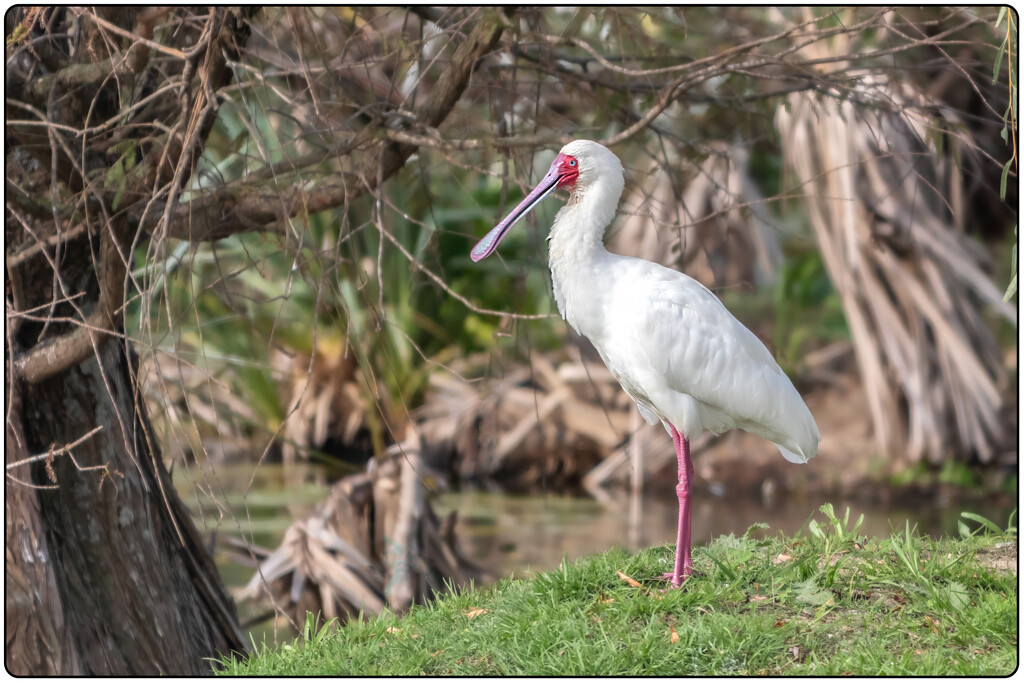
512, 533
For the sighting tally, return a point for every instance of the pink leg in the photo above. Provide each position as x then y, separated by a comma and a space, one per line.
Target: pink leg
684, 566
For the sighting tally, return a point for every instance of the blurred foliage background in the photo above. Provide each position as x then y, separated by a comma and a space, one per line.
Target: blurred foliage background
369, 299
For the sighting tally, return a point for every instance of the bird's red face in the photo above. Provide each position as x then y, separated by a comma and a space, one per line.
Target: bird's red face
568, 171
564, 172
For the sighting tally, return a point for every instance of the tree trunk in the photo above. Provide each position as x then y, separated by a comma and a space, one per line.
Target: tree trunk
37, 641
106, 571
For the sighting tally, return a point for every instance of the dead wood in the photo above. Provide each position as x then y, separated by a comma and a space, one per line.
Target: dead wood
545, 427
887, 208
374, 542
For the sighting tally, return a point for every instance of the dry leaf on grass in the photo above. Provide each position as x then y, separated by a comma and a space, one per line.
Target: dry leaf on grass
475, 612
781, 557
636, 584
673, 636
630, 580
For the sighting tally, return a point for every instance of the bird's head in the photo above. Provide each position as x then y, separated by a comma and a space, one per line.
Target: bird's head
576, 168
583, 161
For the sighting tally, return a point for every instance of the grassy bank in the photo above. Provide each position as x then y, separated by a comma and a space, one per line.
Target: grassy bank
827, 602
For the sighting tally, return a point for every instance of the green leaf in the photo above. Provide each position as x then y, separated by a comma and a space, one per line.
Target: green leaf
118, 196
124, 148
811, 594
114, 176
987, 523
1002, 181
856, 527
755, 527
999, 60
959, 598
1002, 13
965, 531
730, 574
1013, 253
829, 512
19, 32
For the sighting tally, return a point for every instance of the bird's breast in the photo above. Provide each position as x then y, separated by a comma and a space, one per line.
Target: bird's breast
581, 297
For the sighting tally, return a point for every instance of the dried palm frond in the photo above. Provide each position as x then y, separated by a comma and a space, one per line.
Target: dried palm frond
185, 402
374, 542
649, 448
323, 398
716, 230
564, 422
886, 208
538, 424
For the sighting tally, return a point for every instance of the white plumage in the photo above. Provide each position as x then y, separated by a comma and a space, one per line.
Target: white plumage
671, 344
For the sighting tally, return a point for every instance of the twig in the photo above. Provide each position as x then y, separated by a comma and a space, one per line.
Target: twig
41, 487
433, 140
463, 300
159, 47
59, 451
25, 254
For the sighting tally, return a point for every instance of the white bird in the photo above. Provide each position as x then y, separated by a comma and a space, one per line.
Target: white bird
671, 344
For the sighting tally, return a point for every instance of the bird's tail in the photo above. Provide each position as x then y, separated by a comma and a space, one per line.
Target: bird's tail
798, 429
801, 447
797, 457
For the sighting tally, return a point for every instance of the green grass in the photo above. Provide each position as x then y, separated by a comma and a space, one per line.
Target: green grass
826, 603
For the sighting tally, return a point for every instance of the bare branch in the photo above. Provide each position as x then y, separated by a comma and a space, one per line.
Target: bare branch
56, 451
245, 206
159, 47
433, 140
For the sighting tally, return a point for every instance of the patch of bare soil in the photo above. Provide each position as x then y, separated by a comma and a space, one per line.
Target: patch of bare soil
1002, 557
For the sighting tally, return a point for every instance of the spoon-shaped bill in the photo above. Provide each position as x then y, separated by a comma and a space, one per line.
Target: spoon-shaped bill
489, 243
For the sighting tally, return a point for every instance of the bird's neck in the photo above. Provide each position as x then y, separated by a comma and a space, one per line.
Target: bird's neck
576, 253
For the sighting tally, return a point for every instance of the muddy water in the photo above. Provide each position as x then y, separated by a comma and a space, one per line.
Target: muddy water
515, 533
512, 533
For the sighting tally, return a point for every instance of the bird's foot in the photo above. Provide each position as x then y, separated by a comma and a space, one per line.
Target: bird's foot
668, 576
687, 572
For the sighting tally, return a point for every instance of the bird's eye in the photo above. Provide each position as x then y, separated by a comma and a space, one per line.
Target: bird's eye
572, 162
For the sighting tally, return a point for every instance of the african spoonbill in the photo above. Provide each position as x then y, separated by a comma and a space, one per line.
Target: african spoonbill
671, 344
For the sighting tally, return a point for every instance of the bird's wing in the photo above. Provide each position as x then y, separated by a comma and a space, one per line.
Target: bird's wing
698, 348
